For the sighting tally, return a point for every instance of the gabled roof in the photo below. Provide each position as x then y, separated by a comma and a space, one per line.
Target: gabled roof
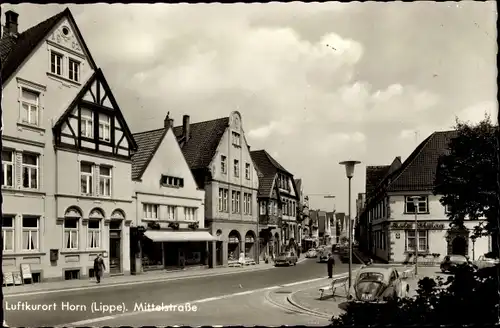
266, 163
375, 175
148, 143
419, 170
203, 141
268, 167
98, 76
298, 183
14, 50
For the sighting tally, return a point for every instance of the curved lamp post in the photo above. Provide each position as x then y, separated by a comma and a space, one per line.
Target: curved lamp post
349, 171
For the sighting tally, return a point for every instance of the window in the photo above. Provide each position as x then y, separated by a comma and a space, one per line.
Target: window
30, 233
223, 194
236, 139
236, 168
247, 203
275, 208
173, 182
94, 234
262, 208
30, 171
29, 106
170, 213
422, 205
86, 127
8, 168
56, 63
150, 211
104, 128
105, 181
223, 164
74, 70
422, 240
235, 201
86, 174
247, 171
71, 233
8, 233
189, 213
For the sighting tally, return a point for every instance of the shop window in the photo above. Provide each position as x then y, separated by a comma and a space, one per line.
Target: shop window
36, 277
72, 274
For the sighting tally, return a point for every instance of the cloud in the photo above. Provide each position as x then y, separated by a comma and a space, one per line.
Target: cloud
318, 83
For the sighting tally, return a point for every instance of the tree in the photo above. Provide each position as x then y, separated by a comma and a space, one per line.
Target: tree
467, 177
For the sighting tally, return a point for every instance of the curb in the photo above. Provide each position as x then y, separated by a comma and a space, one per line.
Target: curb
290, 300
297, 310
130, 283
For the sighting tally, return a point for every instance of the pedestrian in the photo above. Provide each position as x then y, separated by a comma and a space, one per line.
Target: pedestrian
298, 252
99, 267
330, 264
182, 260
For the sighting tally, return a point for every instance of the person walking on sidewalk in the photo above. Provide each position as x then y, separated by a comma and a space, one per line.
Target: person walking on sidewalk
330, 264
99, 267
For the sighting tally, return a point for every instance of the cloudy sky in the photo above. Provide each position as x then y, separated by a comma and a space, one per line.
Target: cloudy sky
315, 83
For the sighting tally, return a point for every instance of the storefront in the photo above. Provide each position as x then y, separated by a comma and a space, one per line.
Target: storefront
174, 249
233, 246
250, 246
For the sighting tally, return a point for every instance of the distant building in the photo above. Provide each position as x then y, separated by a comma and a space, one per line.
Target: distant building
389, 214
302, 211
278, 202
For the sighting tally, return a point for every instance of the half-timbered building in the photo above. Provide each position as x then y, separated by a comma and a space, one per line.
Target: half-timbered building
66, 156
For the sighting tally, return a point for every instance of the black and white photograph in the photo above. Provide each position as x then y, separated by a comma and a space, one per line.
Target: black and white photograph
219, 164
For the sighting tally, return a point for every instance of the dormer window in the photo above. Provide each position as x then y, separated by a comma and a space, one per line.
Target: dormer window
87, 128
236, 139
172, 182
104, 127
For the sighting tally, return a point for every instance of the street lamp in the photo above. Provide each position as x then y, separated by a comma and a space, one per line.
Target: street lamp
415, 200
473, 238
327, 224
349, 171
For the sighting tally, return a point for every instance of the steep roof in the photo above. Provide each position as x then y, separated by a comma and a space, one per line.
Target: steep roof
298, 183
419, 170
375, 175
268, 167
14, 50
147, 145
202, 143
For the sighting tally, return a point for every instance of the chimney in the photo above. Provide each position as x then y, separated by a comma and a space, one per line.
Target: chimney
185, 127
168, 122
11, 23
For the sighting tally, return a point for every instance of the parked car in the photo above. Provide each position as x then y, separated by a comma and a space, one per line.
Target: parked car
286, 258
451, 262
378, 284
311, 253
323, 256
486, 262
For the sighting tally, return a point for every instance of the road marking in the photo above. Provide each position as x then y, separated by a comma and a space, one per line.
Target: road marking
204, 300
42, 292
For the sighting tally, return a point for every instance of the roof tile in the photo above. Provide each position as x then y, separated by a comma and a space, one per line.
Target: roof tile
147, 144
203, 141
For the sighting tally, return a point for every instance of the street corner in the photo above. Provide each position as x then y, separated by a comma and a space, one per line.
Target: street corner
310, 300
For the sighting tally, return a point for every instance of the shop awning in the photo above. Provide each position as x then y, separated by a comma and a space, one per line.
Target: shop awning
176, 236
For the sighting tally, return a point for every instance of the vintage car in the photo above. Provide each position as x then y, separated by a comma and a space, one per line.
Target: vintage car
379, 284
311, 253
323, 256
486, 262
286, 258
451, 262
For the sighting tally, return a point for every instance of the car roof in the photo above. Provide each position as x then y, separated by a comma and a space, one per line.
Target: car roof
386, 271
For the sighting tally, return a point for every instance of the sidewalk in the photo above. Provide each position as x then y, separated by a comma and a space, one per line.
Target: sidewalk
131, 279
308, 299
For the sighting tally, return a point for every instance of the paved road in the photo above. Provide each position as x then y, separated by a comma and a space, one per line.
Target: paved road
247, 310
172, 292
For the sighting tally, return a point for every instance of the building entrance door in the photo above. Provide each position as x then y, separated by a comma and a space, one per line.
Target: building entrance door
115, 249
218, 253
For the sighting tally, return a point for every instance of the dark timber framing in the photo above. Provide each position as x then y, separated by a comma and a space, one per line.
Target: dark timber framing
97, 108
